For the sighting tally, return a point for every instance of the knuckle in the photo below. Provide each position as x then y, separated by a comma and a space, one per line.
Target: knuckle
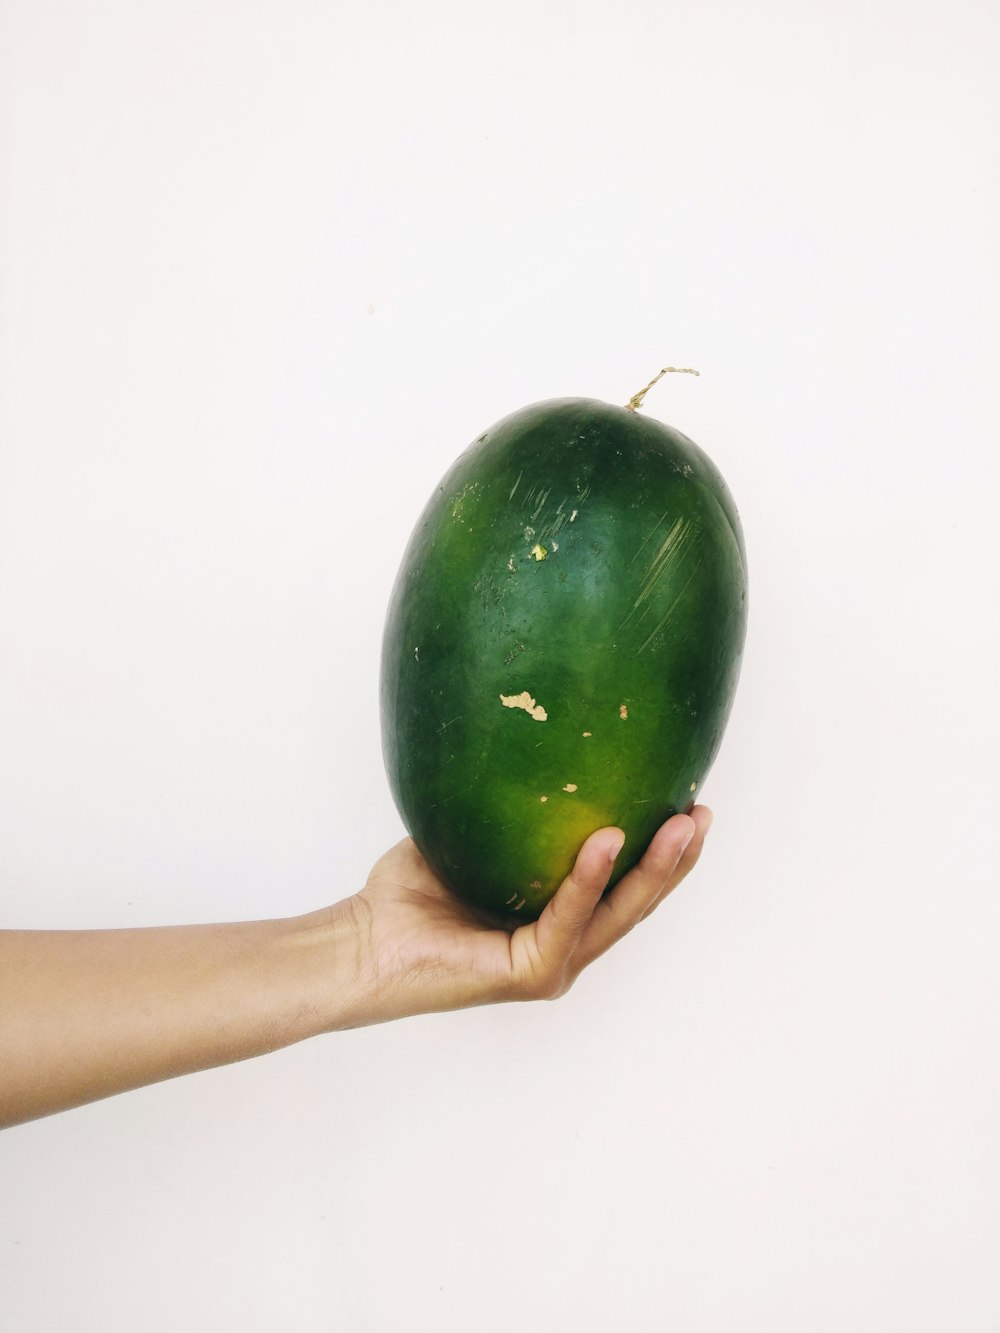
544, 985
569, 917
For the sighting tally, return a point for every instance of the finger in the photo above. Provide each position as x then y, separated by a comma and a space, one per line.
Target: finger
569, 912
702, 817
636, 893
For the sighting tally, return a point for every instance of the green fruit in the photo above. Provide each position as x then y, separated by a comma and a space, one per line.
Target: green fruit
562, 647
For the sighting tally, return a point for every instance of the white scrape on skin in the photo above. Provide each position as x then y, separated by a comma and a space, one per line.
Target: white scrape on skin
623, 712
570, 786
525, 701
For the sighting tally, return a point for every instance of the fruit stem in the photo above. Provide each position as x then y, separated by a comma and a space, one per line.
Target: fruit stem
635, 402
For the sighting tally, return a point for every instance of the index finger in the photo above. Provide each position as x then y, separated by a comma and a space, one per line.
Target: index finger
639, 890
569, 912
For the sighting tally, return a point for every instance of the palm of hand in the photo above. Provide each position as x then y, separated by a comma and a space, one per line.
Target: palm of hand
421, 937
425, 950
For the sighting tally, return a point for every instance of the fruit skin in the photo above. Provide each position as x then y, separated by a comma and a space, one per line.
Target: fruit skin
562, 647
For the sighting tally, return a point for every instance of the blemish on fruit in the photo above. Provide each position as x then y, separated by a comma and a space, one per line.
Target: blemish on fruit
623, 712
543, 799
535, 884
570, 786
525, 701
541, 503
693, 787
539, 552
588, 733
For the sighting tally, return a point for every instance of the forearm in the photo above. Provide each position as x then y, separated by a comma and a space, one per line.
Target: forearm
85, 1014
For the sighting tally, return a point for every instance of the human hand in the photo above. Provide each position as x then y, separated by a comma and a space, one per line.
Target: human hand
85, 1014
421, 950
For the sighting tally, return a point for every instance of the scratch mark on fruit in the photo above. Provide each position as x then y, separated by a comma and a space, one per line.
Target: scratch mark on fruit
668, 613
670, 550
570, 786
541, 503
416, 654
515, 486
512, 899
623, 712
539, 552
518, 905
510, 565
652, 534
445, 725
525, 701
572, 517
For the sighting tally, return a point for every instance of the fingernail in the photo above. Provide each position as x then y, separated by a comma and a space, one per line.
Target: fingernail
615, 847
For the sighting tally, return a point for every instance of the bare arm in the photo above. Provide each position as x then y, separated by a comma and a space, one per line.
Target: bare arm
86, 1014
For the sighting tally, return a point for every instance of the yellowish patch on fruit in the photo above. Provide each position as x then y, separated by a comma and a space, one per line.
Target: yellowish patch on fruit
525, 701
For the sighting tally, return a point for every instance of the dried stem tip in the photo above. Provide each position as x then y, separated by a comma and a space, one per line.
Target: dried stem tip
635, 402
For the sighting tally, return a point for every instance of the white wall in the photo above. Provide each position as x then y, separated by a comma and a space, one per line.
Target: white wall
265, 269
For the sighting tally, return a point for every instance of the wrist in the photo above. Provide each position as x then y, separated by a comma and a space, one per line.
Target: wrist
321, 960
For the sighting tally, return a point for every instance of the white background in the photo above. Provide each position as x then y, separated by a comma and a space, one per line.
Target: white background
265, 269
